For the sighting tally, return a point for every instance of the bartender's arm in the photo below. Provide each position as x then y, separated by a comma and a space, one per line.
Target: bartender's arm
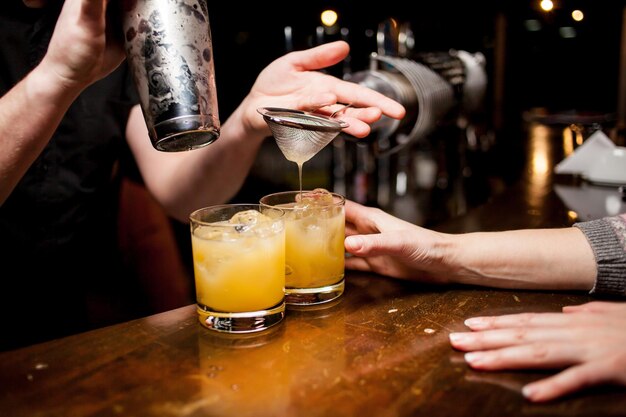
78, 55
185, 181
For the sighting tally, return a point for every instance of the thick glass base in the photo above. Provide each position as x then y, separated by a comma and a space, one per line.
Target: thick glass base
223, 340
183, 133
314, 296
248, 322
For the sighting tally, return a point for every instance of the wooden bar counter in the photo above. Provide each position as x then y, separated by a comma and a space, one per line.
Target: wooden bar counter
381, 350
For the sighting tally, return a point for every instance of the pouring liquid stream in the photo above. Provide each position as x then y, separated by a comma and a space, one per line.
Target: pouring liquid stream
300, 166
299, 158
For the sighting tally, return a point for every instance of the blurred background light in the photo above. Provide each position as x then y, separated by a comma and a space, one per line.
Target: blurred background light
546, 5
578, 15
329, 17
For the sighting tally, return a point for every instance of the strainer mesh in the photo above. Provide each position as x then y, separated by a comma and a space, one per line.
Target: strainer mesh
301, 136
300, 145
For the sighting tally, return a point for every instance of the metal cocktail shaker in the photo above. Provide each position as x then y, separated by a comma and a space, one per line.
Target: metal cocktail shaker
169, 51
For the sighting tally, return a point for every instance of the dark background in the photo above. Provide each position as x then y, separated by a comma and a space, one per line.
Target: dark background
542, 72
542, 68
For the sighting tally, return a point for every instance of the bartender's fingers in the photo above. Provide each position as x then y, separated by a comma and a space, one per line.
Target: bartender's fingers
316, 101
368, 114
571, 380
319, 57
358, 127
365, 114
331, 53
363, 97
358, 120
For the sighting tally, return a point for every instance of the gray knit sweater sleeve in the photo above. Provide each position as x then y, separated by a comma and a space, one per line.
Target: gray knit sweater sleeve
607, 237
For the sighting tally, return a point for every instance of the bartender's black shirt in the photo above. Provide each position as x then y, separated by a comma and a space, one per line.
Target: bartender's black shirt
60, 266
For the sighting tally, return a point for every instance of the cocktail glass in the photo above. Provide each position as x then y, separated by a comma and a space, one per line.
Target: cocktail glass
315, 232
239, 266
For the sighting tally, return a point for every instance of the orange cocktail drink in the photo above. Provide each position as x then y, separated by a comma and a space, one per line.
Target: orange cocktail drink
315, 232
239, 265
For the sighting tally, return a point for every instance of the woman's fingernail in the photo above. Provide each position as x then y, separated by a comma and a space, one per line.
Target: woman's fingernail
529, 391
457, 337
474, 358
475, 323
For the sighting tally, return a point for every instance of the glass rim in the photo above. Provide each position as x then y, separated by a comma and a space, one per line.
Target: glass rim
215, 223
340, 202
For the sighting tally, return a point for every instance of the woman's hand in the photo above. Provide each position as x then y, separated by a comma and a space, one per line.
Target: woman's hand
587, 341
529, 259
387, 245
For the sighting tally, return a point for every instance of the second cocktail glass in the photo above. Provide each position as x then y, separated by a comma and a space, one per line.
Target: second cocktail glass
239, 266
315, 232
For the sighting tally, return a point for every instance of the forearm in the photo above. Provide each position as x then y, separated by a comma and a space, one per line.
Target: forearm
528, 259
29, 114
218, 171
212, 175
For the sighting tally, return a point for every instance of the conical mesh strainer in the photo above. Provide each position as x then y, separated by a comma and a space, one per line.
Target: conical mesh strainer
300, 135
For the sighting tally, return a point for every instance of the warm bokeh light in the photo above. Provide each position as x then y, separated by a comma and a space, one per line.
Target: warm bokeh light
546, 5
572, 138
539, 150
572, 216
579, 135
578, 15
540, 164
329, 17
568, 142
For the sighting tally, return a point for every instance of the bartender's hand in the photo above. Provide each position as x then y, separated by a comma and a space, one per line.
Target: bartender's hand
293, 81
80, 52
81, 49
587, 341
